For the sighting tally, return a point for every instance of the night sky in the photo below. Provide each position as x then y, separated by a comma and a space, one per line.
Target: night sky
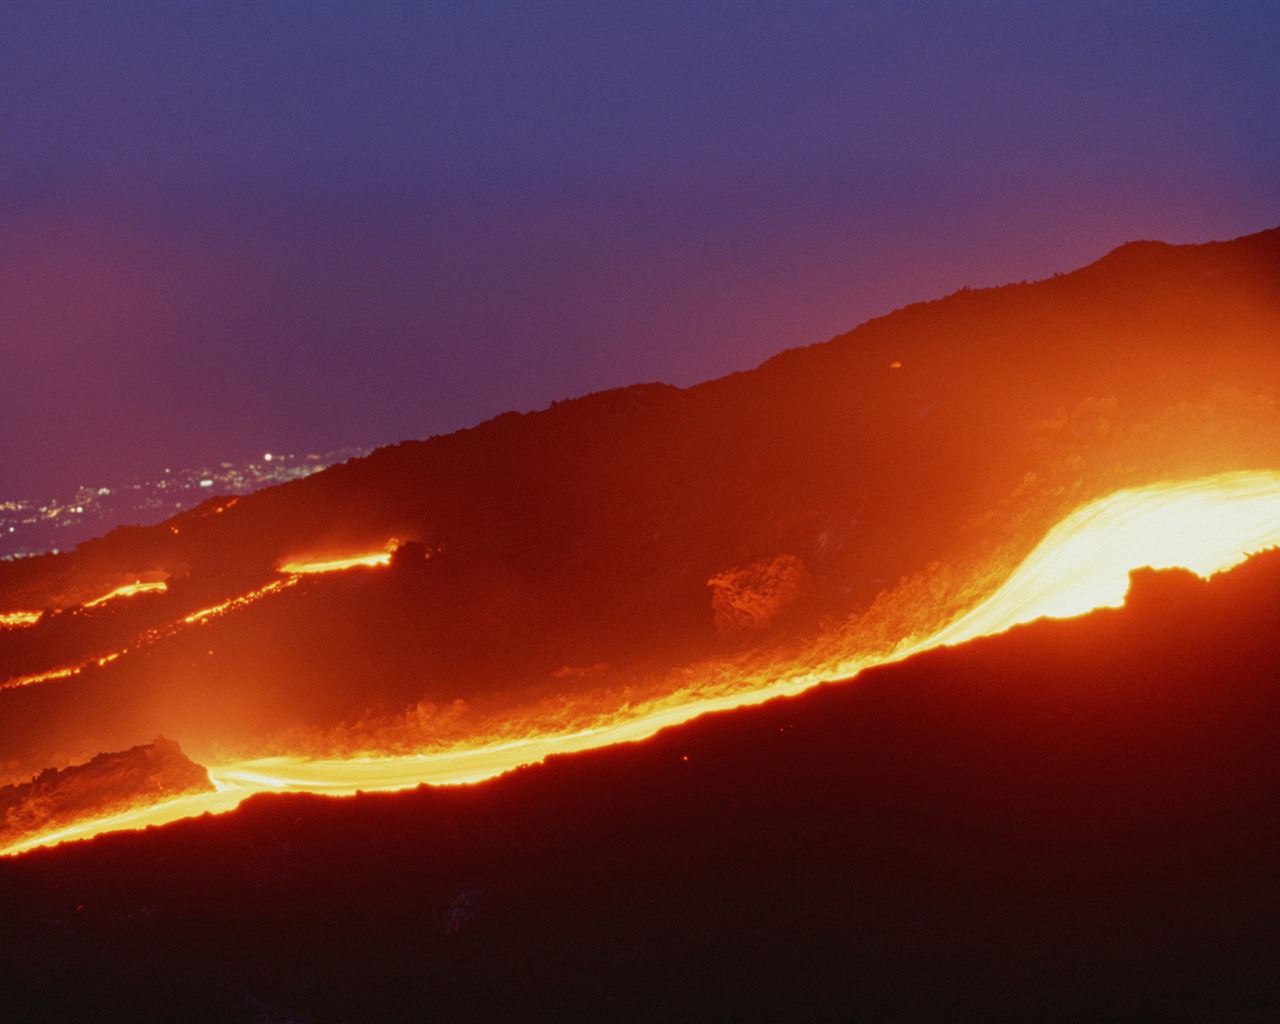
236, 228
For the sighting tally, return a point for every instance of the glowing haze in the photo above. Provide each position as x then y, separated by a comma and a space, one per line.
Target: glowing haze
1206, 525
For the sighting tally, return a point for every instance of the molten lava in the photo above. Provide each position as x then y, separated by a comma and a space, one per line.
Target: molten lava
42, 677
236, 603
148, 636
128, 590
10, 620
1206, 525
369, 560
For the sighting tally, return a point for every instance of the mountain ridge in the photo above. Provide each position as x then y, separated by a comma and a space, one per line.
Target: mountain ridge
1264, 245
603, 531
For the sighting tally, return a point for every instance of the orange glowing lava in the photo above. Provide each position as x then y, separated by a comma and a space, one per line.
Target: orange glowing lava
41, 677
1206, 525
128, 590
368, 560
148, 636
236, 603
11, 620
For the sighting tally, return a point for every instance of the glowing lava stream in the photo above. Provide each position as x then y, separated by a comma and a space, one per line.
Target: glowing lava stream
372, 559
1206, 525
293, 570
9, 620
148, 636
128, 590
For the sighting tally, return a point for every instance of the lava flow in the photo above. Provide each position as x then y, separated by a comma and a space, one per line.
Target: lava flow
1206, 525
20, 618
293, 571
148, 636
369, 560
128, 590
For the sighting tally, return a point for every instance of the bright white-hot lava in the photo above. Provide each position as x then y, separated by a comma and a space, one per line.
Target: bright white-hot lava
1205, 525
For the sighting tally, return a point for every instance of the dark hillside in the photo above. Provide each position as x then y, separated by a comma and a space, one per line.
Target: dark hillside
1073, 821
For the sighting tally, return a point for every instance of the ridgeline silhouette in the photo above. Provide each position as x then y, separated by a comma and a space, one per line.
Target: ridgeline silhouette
602, 544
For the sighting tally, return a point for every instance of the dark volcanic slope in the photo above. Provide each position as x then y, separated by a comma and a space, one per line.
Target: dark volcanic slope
726, 472
574, 547
1074, 821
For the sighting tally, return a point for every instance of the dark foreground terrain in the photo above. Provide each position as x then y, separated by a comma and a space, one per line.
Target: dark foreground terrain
1073, 821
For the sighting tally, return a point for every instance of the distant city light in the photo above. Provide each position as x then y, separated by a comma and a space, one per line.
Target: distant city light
30, 527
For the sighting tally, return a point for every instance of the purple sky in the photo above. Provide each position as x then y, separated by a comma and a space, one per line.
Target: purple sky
232, 228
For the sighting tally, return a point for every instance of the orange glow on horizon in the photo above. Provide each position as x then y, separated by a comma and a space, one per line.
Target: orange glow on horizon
1206, 525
